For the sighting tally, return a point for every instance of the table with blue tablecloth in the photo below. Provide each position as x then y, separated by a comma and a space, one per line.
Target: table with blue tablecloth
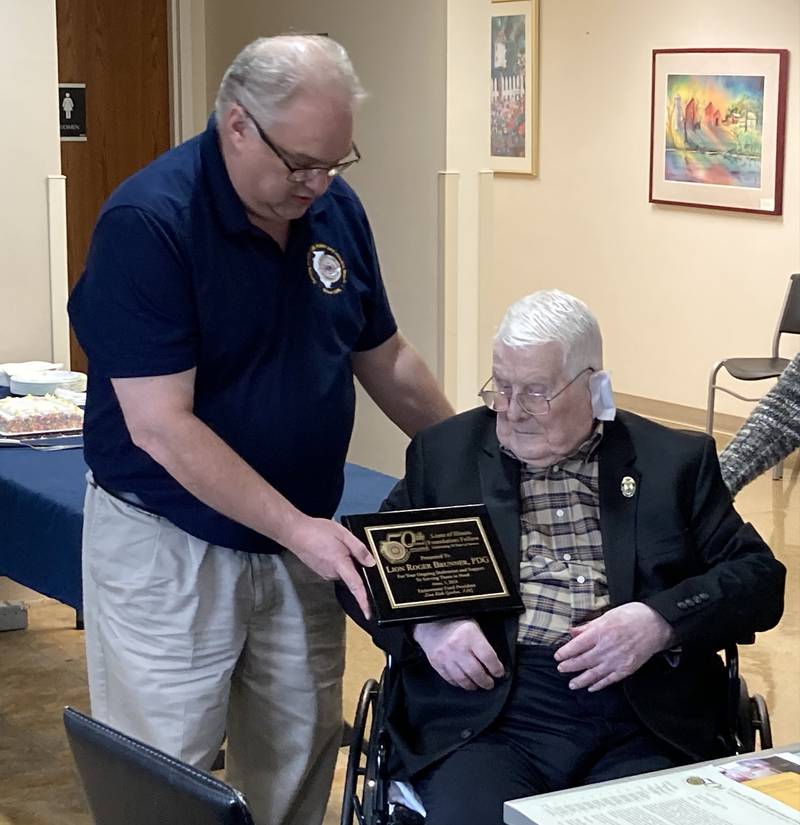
41, 515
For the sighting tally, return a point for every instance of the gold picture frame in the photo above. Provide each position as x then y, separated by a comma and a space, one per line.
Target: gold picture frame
514, 87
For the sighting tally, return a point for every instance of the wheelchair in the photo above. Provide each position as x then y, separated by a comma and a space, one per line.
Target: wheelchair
367, 783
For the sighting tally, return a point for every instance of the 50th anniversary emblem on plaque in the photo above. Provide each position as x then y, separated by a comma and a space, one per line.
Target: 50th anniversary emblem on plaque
433, 564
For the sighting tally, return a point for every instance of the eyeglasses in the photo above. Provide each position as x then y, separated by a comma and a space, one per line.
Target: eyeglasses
301, 174
533, 403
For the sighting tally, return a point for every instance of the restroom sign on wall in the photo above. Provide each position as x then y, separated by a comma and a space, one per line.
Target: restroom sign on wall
72, 110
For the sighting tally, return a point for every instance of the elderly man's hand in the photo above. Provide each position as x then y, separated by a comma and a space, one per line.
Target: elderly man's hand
460, 653
614, 645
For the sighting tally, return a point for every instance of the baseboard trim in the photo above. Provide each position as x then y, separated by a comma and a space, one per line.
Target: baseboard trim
678, 415
688, 418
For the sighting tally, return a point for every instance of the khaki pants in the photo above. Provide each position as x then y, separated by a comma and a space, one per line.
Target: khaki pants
186, 641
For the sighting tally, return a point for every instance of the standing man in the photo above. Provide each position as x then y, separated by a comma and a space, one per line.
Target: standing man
231, 292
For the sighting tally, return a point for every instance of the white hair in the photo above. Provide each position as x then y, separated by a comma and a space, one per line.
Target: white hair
550, 315
269, 72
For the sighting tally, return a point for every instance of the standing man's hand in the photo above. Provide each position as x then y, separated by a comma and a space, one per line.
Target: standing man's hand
614, 645
332, 552
459, 652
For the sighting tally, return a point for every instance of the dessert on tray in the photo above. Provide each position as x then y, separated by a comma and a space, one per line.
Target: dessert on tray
32, 415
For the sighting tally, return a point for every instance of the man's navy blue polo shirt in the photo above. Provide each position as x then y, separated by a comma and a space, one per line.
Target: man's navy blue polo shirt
177, 277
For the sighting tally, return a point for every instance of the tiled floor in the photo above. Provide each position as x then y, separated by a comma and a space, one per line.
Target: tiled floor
42, 669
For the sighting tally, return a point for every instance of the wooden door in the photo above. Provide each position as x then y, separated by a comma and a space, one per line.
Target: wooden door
119, 49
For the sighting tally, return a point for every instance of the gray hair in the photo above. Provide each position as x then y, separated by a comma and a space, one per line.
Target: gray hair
550, 315
270, 71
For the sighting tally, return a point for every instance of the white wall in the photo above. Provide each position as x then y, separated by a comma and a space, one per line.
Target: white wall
398, 50
675, 288
30, 151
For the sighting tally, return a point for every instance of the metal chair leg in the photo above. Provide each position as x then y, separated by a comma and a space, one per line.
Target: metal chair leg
777, 471
710, 403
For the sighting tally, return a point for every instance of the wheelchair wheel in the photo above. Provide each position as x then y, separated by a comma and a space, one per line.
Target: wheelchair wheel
752, 721
364, 800
759, 719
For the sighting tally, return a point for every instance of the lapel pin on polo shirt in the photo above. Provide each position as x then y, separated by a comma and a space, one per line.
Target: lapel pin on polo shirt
628, 487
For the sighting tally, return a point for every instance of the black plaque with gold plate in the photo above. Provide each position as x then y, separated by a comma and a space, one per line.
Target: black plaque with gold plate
435, 563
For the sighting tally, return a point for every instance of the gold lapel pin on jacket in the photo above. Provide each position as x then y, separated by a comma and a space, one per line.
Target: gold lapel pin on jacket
628, 487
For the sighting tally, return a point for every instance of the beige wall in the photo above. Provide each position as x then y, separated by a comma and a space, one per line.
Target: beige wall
29, 148
467, 155
399, 51
188, 94
675, 288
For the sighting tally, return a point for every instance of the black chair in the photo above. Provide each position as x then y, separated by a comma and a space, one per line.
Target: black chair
366, 785
129, 783
758, 369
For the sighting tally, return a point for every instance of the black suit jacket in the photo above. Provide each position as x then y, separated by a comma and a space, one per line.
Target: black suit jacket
677, 545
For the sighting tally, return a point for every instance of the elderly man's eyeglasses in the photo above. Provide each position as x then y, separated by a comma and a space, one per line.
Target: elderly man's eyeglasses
300, 174
534, 403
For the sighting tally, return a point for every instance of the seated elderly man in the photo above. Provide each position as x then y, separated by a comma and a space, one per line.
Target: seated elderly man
633, 567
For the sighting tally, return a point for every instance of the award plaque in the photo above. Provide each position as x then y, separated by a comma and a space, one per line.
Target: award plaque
435, 563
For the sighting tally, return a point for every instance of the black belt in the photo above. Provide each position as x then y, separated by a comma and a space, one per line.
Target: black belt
129, 498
